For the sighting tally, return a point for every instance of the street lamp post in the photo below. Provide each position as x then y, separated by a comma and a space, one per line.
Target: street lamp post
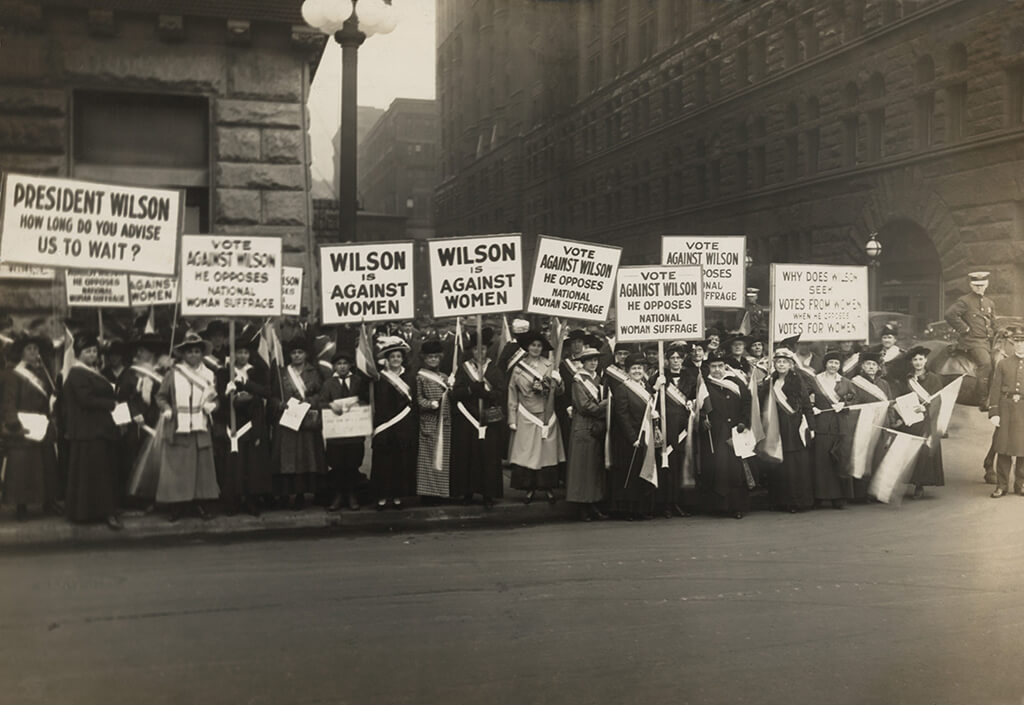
873, 249
351, 22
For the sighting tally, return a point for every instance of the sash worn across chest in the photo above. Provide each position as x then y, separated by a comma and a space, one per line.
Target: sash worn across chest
296, 379
398, 383
725, 384
780, 396
587, 382
477, 375
920, 391
435, 377
827, 387
191, 391
147, 380
23, 371
870, 387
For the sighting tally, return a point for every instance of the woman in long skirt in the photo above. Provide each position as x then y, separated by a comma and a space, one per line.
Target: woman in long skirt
476, 436
871, 387
92, 438
433, 396
630, 493
833, 433
792, 482
31, 476
535, 448
585, 474
395, 426
669, 494
928, 470
298, 457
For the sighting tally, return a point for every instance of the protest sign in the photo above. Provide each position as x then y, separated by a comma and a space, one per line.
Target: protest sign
573, 279
230, 275
659, 303
99, 289
724, 259
22, 271
50, 221
367, 282
291, 291
819, 302
476, 275
355, 422
152, 291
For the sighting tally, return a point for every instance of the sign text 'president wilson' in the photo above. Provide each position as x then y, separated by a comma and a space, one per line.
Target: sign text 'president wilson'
476, 275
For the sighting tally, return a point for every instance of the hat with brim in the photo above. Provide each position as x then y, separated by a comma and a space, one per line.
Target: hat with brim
432, 346
833, 355
784, 353
84, 341
889, 329
680, 347
623, 347
576, 334
23, 341
918, 350
738, 338
587, 353
388, 344
117, 347
529, 337
978, 277
636, 359
520, 325
343, 354
293, 344
194, 340
871, 356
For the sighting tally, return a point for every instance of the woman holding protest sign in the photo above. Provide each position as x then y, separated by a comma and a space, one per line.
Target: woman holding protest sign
535, 449
298, 452
478, 395
395, 425
585, 474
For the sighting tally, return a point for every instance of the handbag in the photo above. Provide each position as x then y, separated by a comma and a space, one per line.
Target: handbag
493, 414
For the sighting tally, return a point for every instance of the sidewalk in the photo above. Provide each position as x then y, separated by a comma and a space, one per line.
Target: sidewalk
51, 531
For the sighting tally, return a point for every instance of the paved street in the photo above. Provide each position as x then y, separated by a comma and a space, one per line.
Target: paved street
874, 604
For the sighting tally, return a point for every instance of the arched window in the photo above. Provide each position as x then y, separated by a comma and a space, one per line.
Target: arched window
956, 93
924, 74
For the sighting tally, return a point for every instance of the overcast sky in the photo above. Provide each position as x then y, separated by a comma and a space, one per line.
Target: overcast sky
396, 65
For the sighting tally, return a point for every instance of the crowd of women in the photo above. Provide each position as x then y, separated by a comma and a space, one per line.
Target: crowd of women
127, 425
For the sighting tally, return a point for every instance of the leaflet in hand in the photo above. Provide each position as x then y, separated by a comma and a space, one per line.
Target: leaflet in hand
35, 425
906, 406
743, 443
293, 413
122, 416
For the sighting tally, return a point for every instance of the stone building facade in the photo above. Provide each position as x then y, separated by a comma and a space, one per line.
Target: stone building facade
804, 125
203, 95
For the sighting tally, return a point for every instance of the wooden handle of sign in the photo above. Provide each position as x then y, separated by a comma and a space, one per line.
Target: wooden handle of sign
661, 402
231, 377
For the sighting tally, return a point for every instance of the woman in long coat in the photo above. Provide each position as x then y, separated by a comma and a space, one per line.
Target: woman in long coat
677, 386
187, 400
928, 470
833, 433
725, 479
871, 387
92, 438
298, 455
476, 441
535, 448
586, 481
31, 476
247, 474
395, 425
137, 387
433, 397
792, 482
631, 495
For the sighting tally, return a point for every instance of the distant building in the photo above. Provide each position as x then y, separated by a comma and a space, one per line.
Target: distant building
804, 125
366, 118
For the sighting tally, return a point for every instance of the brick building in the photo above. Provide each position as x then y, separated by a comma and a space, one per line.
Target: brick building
804, 125
203, 95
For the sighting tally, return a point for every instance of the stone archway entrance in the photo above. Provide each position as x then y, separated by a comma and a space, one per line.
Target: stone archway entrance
910, 272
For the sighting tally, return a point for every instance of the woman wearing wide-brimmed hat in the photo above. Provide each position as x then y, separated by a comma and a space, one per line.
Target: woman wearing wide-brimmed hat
92, 438
585, 473
476, 438
535, 449
299, 459
187, 399
395, 425
31, 475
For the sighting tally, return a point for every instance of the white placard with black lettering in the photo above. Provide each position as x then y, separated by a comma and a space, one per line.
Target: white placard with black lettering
49, 221
724, 259
96, 289
152, 291
355, 422
230, 275
476, 275
367, 282
291, 291
573, 279
819, 302
659, 303
25, 271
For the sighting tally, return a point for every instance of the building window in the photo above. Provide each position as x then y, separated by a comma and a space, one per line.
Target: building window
792, 145
812, 136
741, 59
924, 102
876, 118
714, 87
618, 56
760, 159
700, 87
892, 10
790, 45
810, 35
715, 170
759, 60
1015, 77
741, 157
850, 125
700, 173
854, 26
956, 93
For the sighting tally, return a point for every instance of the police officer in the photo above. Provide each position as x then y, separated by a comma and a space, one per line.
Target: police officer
973, 317
1006, 404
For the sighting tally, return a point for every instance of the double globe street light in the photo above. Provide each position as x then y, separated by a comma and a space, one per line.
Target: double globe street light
350, 22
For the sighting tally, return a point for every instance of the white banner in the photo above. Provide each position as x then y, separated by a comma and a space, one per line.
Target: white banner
291, 291
230, 275
367, 282
819, 302
98, 289
476, 275
573, 279
50, 221
355, 422
659, 303
152, 291
22, 271
724, 259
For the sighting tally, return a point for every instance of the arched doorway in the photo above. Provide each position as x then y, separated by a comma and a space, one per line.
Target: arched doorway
910, 272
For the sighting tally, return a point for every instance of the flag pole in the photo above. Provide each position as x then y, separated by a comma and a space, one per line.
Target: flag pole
231, 379
174, 327
480, 353
99, 321
661, 403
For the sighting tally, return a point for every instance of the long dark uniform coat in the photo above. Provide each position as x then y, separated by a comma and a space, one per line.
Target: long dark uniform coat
393, 468
246, 473
585, 473
792, 482
928, 468
31, 476
833, 438
476, 463
722, 472
1006, 400
92, 445
628, 410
